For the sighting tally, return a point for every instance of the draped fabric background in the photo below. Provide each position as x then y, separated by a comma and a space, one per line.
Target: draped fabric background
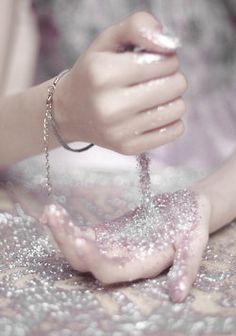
208, 59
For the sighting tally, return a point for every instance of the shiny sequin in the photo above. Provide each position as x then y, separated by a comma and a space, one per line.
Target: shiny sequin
40, 293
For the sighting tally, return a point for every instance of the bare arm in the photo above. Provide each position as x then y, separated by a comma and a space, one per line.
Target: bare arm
105, 105
220, 188
21, 125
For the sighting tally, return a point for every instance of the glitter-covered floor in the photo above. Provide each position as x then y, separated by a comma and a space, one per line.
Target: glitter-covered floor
41, 295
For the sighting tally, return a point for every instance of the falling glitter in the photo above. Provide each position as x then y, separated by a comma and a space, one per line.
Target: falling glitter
145, 231
143, 166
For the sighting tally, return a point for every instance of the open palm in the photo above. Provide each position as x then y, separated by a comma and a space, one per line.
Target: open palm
173, 230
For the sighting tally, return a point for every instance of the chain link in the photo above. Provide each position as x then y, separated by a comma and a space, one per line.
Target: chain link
46, 123
49, 121
47, 118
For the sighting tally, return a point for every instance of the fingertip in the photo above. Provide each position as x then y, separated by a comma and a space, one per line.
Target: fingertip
54, 216
179, 292
166, 43
179, 282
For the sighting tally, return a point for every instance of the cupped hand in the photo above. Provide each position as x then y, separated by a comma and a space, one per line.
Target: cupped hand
173, 230
123, 100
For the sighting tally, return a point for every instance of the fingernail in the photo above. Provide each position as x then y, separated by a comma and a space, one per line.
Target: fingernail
162, 40
80, 244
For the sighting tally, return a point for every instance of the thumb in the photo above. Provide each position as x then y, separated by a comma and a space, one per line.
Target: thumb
140, 30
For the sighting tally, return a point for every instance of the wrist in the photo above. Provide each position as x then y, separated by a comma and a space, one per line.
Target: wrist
62, 113
222, 202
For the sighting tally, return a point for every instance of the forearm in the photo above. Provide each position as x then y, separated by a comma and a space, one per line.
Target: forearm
21, 125
220, 189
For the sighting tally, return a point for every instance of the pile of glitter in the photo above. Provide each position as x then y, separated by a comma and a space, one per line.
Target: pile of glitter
153, 224
40, 294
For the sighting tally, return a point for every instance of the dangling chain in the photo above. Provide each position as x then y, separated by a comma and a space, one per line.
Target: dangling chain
49, 121
46, 120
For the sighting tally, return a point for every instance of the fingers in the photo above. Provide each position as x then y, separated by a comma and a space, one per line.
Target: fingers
154, 93
149, 129
104, 268
141, 30
147, 141
186, 265
110, 270
153, 119
128, 102
189, 255
117, 112
133, 68
55, 218
159, 117
64, 232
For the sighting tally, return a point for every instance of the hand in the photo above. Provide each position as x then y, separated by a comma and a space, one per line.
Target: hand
121, 100
136, 247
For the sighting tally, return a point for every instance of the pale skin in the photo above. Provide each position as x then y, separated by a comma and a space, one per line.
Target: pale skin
216, 196
104, 99
111, 100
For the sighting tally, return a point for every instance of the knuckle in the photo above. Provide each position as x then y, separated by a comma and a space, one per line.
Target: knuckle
181, 108
176, 62
180, 127
138, 19
182, 82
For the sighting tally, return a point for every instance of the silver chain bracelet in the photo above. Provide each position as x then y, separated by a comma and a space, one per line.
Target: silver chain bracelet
50, 121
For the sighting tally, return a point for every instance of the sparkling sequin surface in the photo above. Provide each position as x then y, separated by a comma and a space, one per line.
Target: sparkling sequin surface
41, 295
153, 226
